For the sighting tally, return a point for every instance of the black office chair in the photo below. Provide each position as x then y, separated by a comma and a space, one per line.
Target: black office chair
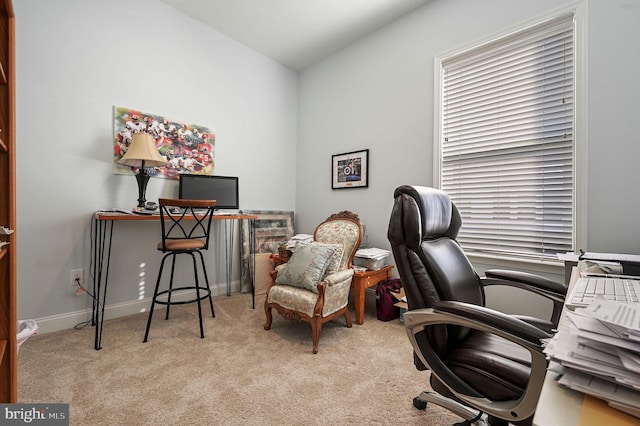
186, 226
486, 366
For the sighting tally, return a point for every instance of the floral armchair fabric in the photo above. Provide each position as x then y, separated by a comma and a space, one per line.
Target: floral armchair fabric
313, 286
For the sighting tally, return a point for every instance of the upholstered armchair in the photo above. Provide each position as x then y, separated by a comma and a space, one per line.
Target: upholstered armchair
313, 286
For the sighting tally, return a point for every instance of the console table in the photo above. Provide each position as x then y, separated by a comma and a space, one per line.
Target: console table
103, 235
361, 281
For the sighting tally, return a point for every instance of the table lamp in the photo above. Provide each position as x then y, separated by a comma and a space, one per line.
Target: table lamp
142, 153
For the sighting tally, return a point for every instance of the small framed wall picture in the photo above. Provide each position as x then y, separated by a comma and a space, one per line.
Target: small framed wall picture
350, 170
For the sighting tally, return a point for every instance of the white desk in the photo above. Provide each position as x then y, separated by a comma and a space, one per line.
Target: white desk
559, 405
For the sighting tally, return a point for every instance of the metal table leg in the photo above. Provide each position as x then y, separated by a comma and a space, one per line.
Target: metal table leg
252, 259
229, 251
102, 258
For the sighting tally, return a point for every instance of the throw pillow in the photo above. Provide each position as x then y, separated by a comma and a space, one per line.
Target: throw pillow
306, 266
334, 261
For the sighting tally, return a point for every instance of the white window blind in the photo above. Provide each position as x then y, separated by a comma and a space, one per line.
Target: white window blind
507, 158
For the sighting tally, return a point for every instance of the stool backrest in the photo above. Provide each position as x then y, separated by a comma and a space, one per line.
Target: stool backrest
186, 220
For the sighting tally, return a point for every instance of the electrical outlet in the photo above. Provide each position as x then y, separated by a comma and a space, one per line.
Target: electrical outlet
77, 274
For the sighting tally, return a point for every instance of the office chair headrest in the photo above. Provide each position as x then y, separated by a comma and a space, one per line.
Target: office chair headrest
438, 216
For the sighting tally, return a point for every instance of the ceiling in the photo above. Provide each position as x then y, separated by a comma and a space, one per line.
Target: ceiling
295, 33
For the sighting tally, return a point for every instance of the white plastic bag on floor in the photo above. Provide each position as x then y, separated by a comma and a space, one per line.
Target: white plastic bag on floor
26, 329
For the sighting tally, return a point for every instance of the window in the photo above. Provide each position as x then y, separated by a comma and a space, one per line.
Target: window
507, 141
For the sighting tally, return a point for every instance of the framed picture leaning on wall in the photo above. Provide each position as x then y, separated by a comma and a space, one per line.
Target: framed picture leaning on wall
350, 170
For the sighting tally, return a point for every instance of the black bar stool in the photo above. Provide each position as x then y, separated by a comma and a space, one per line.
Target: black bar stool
185, 228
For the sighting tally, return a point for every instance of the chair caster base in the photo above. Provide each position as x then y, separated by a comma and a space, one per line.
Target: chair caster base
419, 404
470, 415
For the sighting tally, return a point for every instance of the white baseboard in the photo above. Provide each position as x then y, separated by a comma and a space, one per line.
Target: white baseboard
116, 310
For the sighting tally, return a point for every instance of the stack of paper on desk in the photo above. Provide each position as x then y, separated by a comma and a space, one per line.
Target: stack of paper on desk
599, 348
302, 238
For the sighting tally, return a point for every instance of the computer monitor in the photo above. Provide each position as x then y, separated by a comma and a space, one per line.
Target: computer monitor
223, 189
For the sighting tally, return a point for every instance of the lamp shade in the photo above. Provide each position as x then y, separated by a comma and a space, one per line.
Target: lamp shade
142, 149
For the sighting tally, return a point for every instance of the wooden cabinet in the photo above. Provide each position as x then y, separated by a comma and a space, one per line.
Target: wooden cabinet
8, 332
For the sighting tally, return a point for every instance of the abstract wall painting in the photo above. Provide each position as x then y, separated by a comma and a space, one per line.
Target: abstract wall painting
188, 148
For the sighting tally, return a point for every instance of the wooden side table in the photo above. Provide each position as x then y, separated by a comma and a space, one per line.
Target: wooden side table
361, 281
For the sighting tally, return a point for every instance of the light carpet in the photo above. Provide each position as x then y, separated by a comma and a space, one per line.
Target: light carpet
239, 374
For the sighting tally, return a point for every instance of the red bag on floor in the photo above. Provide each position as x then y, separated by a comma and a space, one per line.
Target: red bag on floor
384, 299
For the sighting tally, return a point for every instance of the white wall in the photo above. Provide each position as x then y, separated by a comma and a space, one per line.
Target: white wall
614, 140
78, 58
378, 94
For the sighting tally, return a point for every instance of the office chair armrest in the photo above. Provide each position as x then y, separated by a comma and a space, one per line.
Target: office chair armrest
526, 280
544, 287
514, 326
339, 277
490, 321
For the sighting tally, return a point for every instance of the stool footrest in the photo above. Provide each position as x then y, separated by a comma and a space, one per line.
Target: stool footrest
205, 293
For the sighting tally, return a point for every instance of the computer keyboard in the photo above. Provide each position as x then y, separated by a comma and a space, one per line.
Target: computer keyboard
618, 289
